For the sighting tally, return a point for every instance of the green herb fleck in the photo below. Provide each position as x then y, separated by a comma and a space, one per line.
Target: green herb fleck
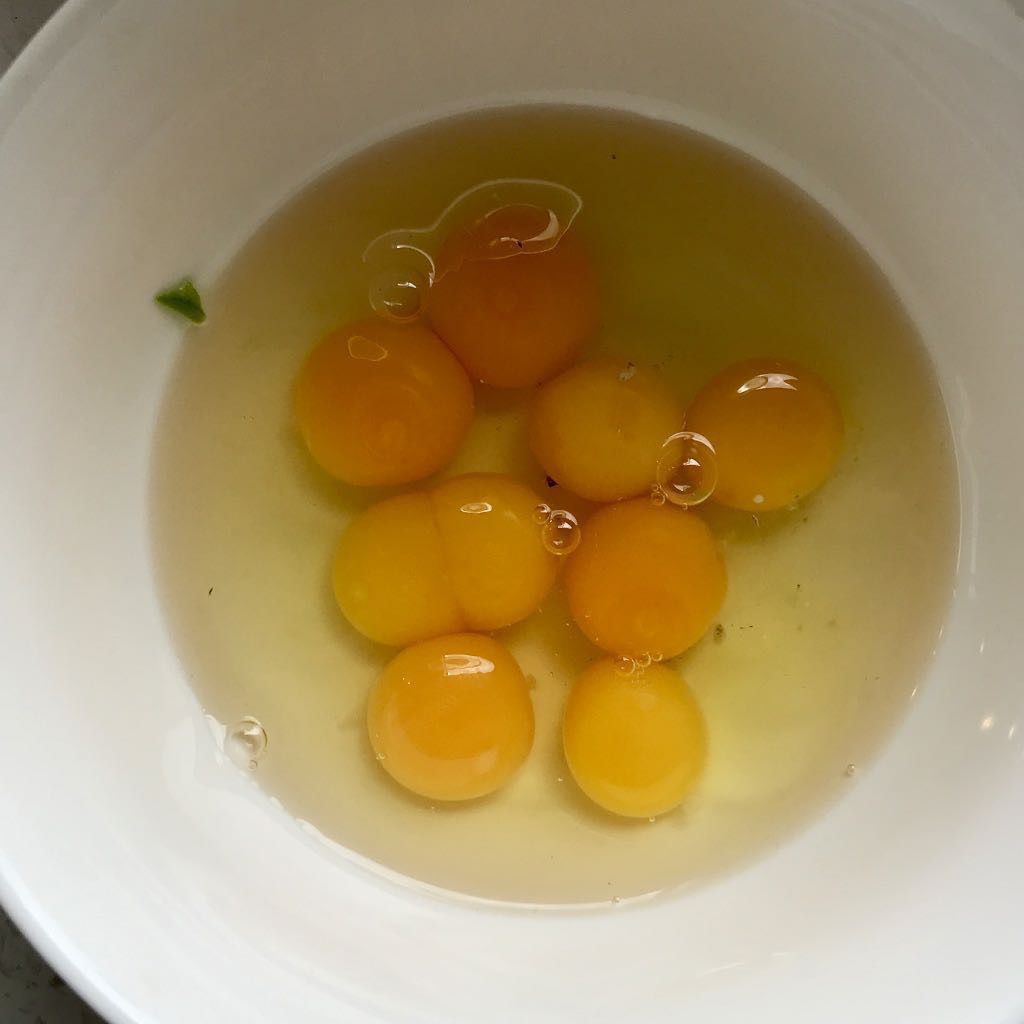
183, 299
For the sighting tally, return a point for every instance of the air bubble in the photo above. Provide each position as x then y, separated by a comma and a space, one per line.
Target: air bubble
380, 756
245, 743
644, 661
561, 533
652, 820
625, 665
541, 514
397, 294
555, 206
657, 495
850, 771
616, 900
687, 469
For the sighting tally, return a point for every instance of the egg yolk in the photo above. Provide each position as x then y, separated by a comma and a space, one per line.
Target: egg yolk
776, 428
635, 744
391, 576
598, 428
645, 580
451, 718
467, 555
496, 560
381, 403
512, 307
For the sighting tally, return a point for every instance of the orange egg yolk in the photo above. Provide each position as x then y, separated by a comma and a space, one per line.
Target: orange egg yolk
598, 428
513, 299
777, 432
645, 580
468, 555
380, 403
635, 744
451, 718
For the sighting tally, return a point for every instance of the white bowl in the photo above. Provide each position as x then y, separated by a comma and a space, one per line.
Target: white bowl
143, 137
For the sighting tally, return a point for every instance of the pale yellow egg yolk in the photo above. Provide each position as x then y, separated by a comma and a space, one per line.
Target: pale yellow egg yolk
598, 428
635, 743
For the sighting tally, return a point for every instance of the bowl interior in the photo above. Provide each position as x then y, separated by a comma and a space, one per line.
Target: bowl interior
139, 139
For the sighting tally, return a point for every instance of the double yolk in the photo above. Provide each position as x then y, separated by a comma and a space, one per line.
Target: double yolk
466, 555
380, 403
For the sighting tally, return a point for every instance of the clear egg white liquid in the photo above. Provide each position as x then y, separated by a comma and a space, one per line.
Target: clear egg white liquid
705, 258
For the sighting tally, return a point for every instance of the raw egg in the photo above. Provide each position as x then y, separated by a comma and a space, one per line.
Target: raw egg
515, 296
390, 573
646, 581
451, 718
598, 428
635, 743
468, 555
777, 432
381, 403
494, 549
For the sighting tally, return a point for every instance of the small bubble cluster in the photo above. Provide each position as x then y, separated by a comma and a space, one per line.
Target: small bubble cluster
627, 666
245, 743
397, 293
687, 470
559, 530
